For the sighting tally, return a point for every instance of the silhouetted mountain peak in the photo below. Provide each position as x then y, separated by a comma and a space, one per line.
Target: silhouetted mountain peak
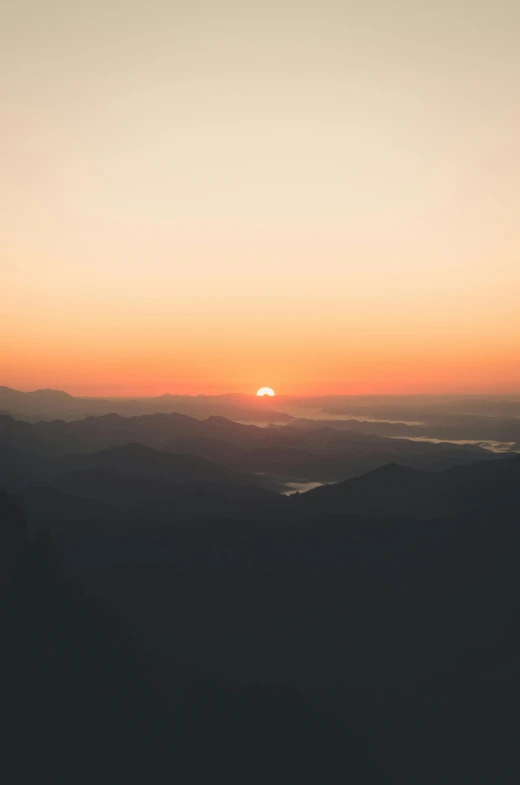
227, 424
104, 418
47, 393
389, 473
169, 417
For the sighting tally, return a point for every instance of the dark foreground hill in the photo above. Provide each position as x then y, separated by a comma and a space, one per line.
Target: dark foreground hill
404, 626
82, 702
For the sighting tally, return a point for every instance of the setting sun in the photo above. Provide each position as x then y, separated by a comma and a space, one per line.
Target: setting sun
265, 391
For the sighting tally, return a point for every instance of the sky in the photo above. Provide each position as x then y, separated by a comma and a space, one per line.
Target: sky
203, 196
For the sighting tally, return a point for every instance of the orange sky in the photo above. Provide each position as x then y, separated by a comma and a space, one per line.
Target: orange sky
212, 196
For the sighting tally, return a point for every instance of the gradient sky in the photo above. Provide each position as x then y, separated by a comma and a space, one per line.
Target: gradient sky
211, 196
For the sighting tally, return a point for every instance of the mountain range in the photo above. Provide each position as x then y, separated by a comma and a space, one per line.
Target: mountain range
56, 404
493, 421
294, 453
365, 631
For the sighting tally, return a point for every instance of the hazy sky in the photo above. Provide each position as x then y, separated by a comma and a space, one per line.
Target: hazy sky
205, 195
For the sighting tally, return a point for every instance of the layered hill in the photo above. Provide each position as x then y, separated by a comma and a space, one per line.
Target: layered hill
56, 404
315, 454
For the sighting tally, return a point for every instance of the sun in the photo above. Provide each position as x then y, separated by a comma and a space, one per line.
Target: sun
265, 391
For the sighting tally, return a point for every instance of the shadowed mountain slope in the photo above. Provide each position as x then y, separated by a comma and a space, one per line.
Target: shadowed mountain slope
129, 473
83, 701
406, 623
395, 490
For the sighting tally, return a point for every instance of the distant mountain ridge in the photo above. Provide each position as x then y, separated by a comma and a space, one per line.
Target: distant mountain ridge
287, 454
55, 404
